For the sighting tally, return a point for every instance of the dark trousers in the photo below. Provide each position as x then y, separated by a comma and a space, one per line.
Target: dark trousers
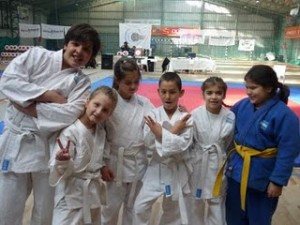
259, 207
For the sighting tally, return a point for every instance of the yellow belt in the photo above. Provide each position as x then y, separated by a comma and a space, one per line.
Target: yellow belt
246, 153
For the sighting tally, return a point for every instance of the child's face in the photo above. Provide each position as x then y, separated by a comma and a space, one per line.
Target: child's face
169, 94
98, 109
213, 96
129, 85
77, 54
258, 94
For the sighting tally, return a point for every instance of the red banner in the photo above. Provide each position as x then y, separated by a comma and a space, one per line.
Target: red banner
174, 31
292, 32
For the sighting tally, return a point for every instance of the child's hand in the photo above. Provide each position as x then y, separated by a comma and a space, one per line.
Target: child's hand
274, 191
180, 125
63, 153
154, 127
107, 174
29, 110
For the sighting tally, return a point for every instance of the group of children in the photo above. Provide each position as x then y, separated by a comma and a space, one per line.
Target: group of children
97, 145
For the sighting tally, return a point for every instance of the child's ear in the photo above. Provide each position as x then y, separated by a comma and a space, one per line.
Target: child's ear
87, 102
182, 92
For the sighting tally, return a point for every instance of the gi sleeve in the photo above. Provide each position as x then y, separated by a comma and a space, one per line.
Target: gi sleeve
52, 117
15, 82
288, 149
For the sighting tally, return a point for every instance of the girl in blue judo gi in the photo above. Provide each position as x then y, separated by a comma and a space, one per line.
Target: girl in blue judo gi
266, 143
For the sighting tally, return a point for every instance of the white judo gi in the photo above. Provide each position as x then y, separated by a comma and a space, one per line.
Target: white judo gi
78, 180
167, 173
213, 133
127, 157
24, 145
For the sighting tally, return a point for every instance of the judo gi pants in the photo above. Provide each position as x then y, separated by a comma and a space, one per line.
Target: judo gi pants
206, 211
15, 189
259, 207
63, 215
144, 202
116, 196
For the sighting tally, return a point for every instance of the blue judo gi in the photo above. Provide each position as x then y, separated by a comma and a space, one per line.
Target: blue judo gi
273, 125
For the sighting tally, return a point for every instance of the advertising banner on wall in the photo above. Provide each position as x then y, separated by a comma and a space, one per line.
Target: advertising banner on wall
166, 31
53, 31
67, 28
29, 30
246, 45
221, 40
292, 32
138, 35
183, 35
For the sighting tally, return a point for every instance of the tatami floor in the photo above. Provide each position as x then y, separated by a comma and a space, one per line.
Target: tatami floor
288, 212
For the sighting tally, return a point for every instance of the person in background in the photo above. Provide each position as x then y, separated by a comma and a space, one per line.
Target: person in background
76, 162
125, 47
213, 134
266, 143
132, 51
47, 92
127, 160
168, 134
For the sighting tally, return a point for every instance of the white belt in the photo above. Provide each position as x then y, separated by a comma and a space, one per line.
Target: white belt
201, 173
20, 135
88, 177
130, 151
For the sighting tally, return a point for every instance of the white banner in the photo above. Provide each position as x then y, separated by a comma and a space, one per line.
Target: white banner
66, 29
29, 30
191, 39
53, 31
138, 35
221, 40
246, 45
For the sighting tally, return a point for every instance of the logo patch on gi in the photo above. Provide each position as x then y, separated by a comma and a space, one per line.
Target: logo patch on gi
264, 124
141, 103
77, 78
229, 120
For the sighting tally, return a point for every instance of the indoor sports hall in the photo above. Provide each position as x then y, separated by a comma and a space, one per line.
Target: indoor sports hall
196, 38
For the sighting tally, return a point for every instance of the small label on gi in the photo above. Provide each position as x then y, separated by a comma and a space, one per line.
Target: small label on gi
168, 190
5, 165
198, 193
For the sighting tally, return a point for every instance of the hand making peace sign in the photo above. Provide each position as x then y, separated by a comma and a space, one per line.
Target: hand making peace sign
63, 153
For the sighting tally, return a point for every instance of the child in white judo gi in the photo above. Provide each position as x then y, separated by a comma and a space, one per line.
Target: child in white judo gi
127, 160
76, 162
168, 133
213, 133
47, 92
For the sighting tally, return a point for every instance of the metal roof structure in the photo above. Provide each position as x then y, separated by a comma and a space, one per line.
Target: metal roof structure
268, 7
277, 8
